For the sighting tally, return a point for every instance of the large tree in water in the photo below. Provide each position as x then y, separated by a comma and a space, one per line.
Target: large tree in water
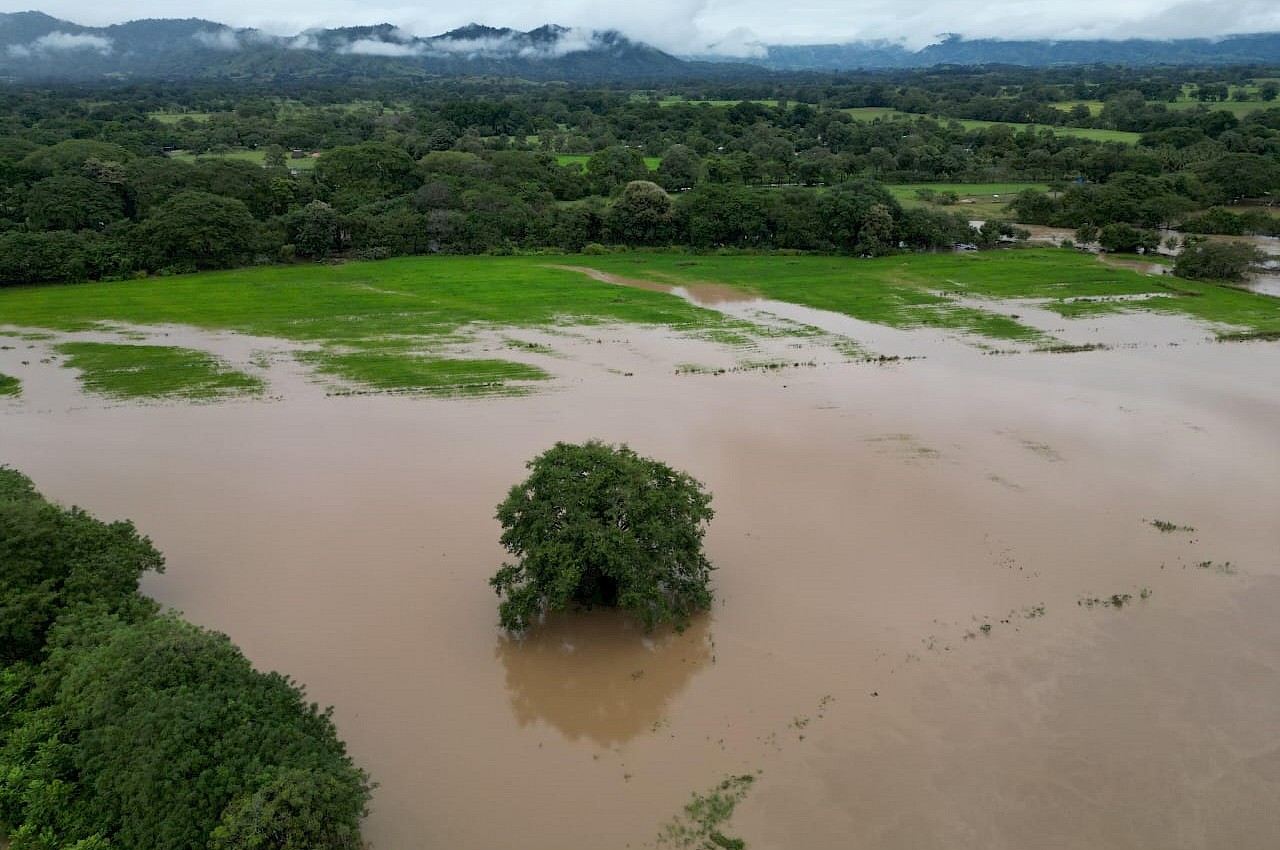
595, 524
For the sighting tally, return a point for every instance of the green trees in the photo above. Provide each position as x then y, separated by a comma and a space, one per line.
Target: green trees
1205, 259
121, 728
197, 230
1119, 237
642, 215
598, 524
52, 560
614, 166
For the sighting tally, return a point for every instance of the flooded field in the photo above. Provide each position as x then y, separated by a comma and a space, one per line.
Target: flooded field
947, 614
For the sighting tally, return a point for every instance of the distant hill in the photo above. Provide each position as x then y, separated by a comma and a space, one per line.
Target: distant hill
35, 46
1261, 48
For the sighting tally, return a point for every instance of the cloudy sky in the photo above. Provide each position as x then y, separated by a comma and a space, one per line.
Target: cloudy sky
724, 25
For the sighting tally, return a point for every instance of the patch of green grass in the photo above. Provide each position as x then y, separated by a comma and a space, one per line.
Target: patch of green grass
155, 372
870, 113
909, 191
377, 321
919, 290
915, 290
650, 162
1233, 313
394, 372
974, 200
175, 117
1095, 106
10, 386
699, 825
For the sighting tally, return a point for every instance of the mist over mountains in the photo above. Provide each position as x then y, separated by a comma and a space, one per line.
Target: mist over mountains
36, 46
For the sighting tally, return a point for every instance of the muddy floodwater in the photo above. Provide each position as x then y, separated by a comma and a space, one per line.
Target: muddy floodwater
944, 617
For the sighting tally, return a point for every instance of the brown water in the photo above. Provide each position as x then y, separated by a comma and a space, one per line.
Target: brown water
870, 519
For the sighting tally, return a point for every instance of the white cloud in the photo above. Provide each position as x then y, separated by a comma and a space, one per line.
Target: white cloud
219, 40
58, 40
374, 47
726, 26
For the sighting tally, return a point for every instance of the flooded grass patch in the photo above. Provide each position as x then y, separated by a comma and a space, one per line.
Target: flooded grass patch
699, 825
10, 386
425, 304
1239, 314
155, 372
909, 291
407, 373
1167, 527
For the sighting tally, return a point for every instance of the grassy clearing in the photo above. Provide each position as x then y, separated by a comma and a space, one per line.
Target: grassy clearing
397, 325
155, 372
651, 162
1094, 106
389, 325
921, 290
437, 376
9, 386
1236, 314
176, 117
870, 113
975, 200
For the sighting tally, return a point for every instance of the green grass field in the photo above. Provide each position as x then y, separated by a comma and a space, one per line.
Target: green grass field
651, 162
389, 325
870, 113
919, 290
9, 386
175, 117
1095, 106
403, 325
976, 200
155, 372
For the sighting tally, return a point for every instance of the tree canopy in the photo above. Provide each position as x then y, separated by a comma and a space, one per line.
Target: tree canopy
1205, 259
120, 727
596, 524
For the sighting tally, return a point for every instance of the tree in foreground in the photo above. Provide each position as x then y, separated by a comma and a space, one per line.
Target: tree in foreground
596, 524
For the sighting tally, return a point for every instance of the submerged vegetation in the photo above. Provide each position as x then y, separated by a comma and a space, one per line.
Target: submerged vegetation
415, 324
155, 372
700, 825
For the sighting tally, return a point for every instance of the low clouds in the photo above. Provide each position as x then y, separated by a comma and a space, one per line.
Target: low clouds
726, 27
374, 47
403, 43
219, 40
62, 41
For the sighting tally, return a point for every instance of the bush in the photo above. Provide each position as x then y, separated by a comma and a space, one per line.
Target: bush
595, 524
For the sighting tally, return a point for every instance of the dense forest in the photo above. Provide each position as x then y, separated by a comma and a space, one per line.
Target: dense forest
122, 727
117, 181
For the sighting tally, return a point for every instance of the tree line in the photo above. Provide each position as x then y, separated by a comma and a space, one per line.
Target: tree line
92, 186
125, 727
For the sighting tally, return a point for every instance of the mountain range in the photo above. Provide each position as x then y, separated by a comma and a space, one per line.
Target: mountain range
35, 46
